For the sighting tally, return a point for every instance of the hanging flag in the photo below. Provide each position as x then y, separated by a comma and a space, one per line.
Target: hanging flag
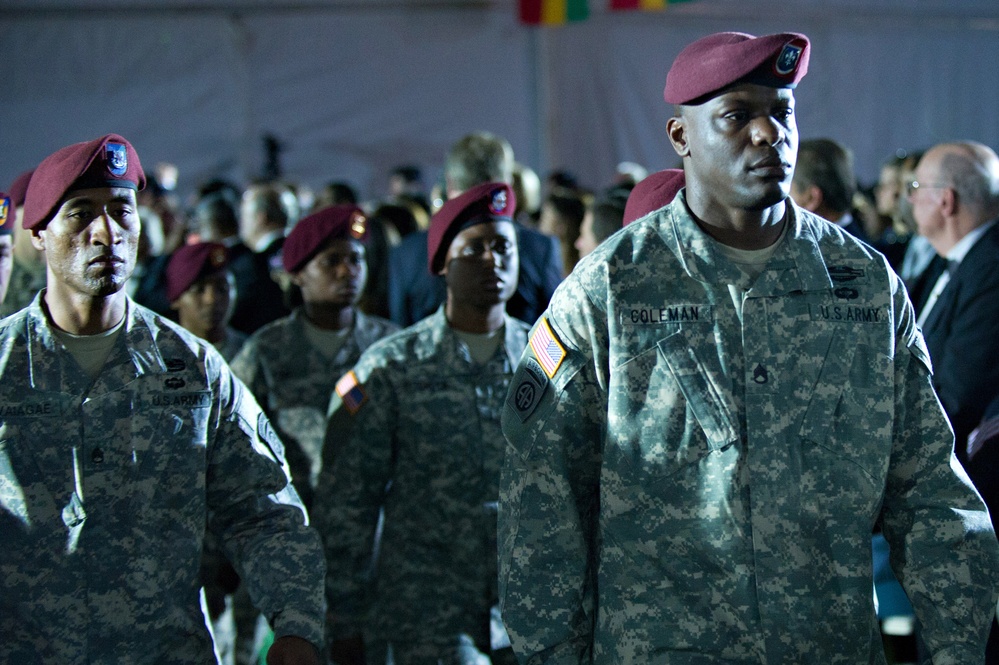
644, 5
553, 12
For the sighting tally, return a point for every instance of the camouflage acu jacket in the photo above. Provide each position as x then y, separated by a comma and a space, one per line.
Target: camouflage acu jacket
415, 430
106, 488
293, 381
685, 487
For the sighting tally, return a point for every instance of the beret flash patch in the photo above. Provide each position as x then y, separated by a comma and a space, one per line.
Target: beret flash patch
497, 203
358, 223
117, 159
787, 59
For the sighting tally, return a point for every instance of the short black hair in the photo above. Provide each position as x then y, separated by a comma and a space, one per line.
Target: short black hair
827, 165
608, 217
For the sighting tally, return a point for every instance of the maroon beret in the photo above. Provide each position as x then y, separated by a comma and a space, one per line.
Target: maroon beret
719, 60
8, 209
109, 161
190, 263
312, 232
488, 202
19, 187
652, 193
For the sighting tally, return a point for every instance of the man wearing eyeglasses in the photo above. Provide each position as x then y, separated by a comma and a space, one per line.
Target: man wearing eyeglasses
955, 201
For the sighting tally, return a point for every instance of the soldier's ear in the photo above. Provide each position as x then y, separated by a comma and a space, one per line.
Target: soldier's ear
810, 198
38, 238
676, 130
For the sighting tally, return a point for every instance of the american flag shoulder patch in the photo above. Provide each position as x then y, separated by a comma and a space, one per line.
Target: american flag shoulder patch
547, 348
351, 392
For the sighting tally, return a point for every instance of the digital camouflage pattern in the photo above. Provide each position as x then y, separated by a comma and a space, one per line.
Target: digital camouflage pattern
106, 489
293, 381
429, 426
25, 283
692, 489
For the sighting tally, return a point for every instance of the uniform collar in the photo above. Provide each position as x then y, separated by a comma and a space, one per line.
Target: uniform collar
445, 339
133, 355
797, 265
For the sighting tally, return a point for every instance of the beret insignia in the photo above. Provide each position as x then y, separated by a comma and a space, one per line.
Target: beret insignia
787, 59
117, 159
358, 223
217, 258
498, 201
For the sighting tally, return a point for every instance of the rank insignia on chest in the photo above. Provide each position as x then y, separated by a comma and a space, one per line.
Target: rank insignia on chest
547, 348
351, 392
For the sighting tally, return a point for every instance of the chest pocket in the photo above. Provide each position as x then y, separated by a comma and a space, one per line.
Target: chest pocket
703, 389
677, 408
845, 435
176, 423
180, 414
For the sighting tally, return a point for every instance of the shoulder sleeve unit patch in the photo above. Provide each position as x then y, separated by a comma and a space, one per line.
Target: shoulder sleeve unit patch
351, 392
530, 386
546, 347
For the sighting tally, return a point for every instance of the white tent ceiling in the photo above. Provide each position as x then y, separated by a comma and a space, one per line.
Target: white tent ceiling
354, 87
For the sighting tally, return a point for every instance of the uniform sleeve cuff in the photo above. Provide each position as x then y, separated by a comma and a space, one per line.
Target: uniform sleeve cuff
299, 624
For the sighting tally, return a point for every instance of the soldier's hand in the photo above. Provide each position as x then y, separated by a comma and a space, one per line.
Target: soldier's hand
348, 651
291, 650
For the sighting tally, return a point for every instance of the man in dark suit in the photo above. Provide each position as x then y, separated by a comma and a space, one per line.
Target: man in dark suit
955, 201
263, 221
414, 293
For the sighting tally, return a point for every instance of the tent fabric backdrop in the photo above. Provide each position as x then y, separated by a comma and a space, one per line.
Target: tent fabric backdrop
353, 89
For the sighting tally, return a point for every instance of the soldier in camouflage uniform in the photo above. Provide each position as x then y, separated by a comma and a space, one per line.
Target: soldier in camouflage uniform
8, 213
201, 289
292, 364
27, 275
414, 430
719, 405
122, 437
